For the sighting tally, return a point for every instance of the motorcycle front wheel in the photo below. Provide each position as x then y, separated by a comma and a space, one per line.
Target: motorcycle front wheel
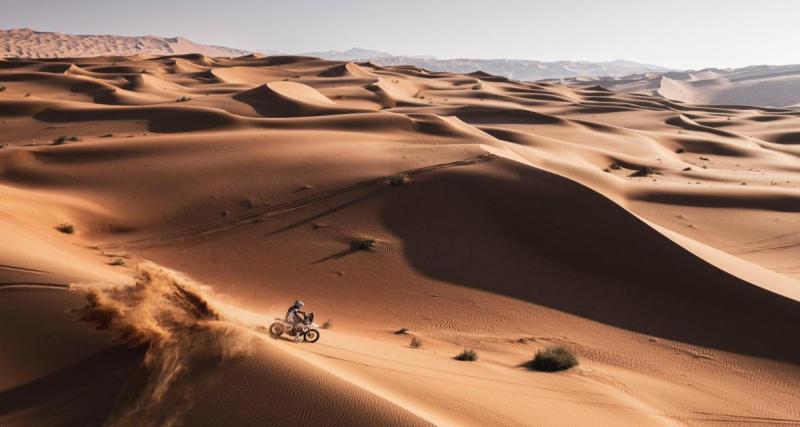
312, 335
276, 329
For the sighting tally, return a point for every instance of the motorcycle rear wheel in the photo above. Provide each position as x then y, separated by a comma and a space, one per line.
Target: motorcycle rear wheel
311, 336
276, 329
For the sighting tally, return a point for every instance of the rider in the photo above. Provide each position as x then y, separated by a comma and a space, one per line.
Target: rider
295, 316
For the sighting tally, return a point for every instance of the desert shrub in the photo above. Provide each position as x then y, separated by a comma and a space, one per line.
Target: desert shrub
64, 138
184, 99
327, 325
415, 343
399, 179
65, 228
2, 88
552, 359
364, 244
402, 331
118, 261
468, 355
644, 171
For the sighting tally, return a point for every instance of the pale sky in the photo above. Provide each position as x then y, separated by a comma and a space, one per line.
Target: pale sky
673, 33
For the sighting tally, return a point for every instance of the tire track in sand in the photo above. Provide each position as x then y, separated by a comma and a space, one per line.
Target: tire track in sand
277, 210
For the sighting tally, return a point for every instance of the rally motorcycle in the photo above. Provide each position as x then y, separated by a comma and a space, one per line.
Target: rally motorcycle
306, 330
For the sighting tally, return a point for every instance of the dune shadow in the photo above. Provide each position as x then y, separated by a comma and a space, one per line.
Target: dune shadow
542, 238
355, 246
83, 393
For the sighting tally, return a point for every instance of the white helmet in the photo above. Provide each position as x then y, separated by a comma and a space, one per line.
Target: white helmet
298, 303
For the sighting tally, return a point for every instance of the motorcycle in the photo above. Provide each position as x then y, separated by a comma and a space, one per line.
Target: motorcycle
306, 330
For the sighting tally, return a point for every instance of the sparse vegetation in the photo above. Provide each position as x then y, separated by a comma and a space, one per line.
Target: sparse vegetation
614, 166
415, 343
645, 171
184, 99
468, 355
401, 179
552, 359
65, 228
402, 331
364, 244
63, 139
118, 261
326, 325
2, 88
680, 150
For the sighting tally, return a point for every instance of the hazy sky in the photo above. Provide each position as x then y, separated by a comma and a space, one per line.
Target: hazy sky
675, 33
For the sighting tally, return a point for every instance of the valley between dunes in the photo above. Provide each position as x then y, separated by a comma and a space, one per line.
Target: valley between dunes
659, 241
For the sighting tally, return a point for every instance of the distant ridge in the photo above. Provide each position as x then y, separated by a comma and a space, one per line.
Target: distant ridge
28, 43
518, 69
776, 86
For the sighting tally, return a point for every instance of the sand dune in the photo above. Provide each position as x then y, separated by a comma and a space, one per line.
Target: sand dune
656, 239
776, 86
27, 43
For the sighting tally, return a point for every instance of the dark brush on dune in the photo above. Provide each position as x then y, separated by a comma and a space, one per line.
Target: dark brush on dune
553, 359
63, 139
643, 172
468, 355
65, 228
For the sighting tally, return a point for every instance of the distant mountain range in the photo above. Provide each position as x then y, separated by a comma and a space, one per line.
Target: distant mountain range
518, 69
28, 43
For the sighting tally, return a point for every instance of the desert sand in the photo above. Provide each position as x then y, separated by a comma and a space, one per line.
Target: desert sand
659, 241
29, 43
774, 86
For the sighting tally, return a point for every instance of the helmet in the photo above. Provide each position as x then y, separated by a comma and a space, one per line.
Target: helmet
298, 303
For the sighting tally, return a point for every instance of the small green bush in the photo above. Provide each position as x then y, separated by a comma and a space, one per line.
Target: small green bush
65, 228
552, 359
468, 355
415, 343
